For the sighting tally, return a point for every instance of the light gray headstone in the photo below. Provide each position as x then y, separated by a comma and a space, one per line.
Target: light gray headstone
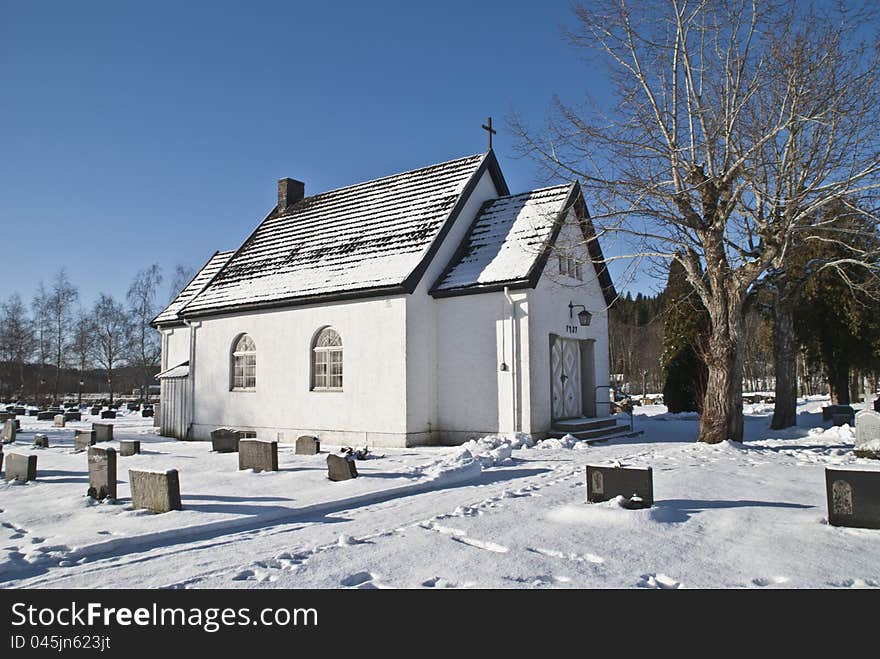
155, 490
21, 467
41, 440
103, 432
308, 445
83, 439
867, 434
102, 473
257, 454
129, 447
340, 468
59, 421
8, 431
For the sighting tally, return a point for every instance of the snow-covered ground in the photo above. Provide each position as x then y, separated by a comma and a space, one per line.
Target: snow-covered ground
490, 514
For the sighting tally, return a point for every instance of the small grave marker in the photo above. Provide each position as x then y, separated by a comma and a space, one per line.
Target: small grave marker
853, 498
225, 440
41, 441
45, 416
83, 439
9, 431
59, 421
129, 447
158, 491
102, 473
21, 467
258, 455
103, 432
636, 485
841, 419
867, 434
108, 414
341, 468
307, 445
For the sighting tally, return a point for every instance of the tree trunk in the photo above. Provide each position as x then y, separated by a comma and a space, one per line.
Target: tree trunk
721, 416
839, 384
785, 364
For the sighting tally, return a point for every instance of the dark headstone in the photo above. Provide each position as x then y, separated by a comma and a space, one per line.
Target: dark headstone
45, 416
19, 411
340, 468
307, 445
41, 441
877, 404
129, 447
636, 485
224, 440
133, 407
102, 473
83, 439
33, 412
155, 490
147, 412
9, 429
108, 414
841, 419
103, 432
5, 416
257, 455
73, 416
96, 410
829, 411
853, 498
17, 425
21, 467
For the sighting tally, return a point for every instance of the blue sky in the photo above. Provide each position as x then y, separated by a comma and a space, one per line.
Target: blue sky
134, 133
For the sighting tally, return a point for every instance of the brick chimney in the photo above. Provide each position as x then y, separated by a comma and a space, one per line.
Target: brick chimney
290, 191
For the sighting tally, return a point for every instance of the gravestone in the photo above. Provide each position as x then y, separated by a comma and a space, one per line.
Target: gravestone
829, 411
17, 425
59, 421
83, 439
156, 409
636, 485
129, 447
103, 432
21, 467
108, 414
258, 455
133, 407
307, 445
5, 416
841, 419
340, 468
41, 441
73, 416
853, 498
867, 435
147, 412
224, 440
9, 431
102, 473
33, 412
158, 491
19, 411
96, 410
877, 404
45, 416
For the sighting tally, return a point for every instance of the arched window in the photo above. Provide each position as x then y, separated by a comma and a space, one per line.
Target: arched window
244, 363
327, 360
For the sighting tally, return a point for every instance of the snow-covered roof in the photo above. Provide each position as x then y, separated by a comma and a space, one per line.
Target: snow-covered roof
179, 371
193, 288
507, 240
373, 235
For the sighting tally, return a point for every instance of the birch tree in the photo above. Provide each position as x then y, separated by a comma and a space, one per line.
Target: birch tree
733, 124
111, 336
60, 303
144, 341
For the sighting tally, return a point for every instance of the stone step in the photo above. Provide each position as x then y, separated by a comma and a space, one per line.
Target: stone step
583, 424
599, 435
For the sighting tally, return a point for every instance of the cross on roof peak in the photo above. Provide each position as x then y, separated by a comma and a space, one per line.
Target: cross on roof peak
490, 131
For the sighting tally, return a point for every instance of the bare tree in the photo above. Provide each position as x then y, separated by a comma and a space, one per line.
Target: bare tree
82, 346
144, 341
59, 304
182, 275
733, 124
111, 335
42, 326
16, 342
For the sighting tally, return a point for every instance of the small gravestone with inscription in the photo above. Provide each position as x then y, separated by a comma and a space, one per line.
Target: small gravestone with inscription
307, 445
103, 432
867, 434
102, 473
257, 455
853, 498
21, 468
129, 447
635, 485
341, 467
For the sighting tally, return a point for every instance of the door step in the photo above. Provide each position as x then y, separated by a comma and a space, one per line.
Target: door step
596, 435
583, 424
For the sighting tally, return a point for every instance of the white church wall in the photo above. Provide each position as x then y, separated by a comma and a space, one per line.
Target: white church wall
549, 314
370, 409
423, 355
176, 346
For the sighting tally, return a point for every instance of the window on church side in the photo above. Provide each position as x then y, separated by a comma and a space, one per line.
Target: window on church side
244, 364
570, 267
327, 361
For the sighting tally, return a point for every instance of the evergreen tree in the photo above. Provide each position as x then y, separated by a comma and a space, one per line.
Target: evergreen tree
685, 328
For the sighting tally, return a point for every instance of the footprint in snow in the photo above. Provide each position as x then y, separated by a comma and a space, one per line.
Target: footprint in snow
362, 580
482, 544
769, 581
658, 580
440, 582
856, 583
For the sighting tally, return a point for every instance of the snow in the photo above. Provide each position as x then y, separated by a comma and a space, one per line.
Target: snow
193, 288
497, 512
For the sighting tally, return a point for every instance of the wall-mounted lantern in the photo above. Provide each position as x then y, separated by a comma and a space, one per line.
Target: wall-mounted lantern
584, 316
